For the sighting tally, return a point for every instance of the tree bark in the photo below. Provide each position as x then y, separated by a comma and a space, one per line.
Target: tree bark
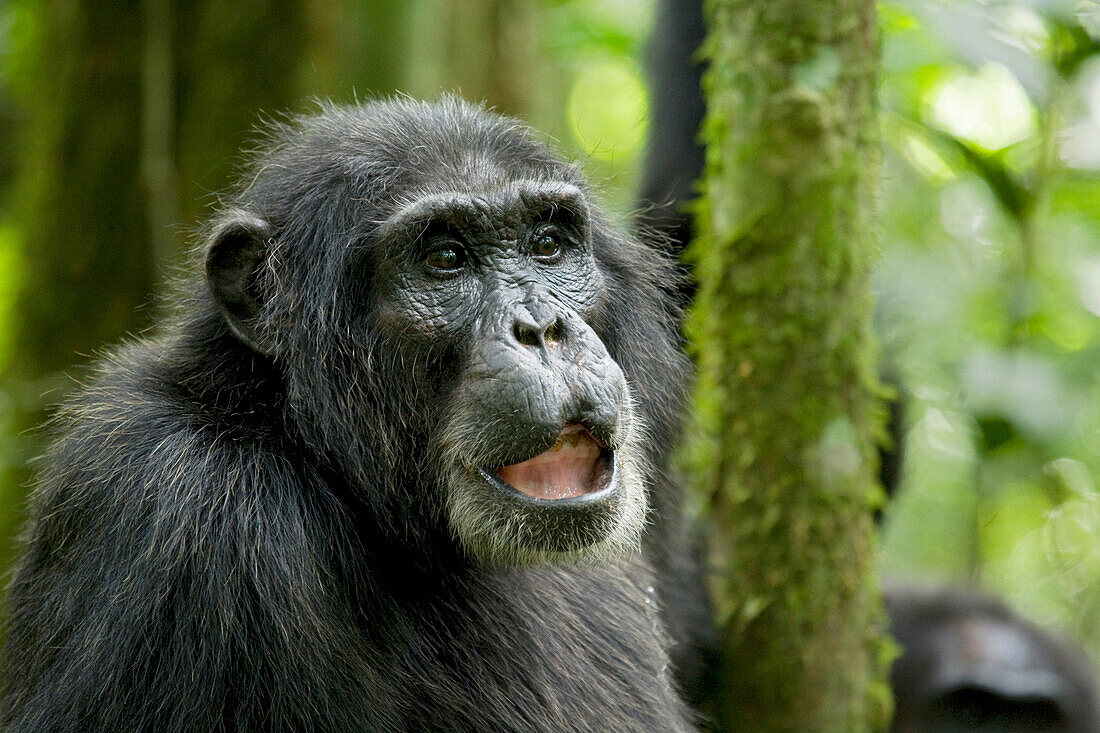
787, 397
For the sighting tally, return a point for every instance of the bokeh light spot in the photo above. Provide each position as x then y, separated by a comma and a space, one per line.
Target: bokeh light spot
607, 108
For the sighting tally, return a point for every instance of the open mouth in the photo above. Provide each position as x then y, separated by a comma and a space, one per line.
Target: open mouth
577, 465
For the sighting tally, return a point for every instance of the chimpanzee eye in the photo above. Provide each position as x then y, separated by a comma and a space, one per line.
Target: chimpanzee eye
445, 257
546, 242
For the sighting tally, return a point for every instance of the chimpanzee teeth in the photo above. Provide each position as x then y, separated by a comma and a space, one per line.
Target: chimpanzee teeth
574, 440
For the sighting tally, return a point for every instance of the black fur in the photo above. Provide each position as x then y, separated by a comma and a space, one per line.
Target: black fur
674, 156
970, 664
245, 530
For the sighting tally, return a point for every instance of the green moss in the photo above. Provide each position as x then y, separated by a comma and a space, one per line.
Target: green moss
787, 398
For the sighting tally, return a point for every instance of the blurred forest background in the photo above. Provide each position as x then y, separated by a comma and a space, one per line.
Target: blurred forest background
119, 122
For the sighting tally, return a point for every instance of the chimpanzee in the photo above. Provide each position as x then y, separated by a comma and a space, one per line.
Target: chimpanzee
971, 664
674, 156
387, 468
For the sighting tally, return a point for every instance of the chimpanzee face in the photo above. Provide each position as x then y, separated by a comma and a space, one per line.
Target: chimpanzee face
539, 414
477, 301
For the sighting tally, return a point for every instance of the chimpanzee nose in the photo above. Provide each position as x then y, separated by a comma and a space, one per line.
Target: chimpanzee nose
529, 332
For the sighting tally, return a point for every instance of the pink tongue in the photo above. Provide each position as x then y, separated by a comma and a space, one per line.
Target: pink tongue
568, 469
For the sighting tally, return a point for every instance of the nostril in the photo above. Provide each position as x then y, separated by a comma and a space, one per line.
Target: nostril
526, 335
554, 332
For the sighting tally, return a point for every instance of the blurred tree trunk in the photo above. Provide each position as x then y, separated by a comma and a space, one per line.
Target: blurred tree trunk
358, 48
487, 50
78, 195
787, 395
120, 102
79, 201
237, 59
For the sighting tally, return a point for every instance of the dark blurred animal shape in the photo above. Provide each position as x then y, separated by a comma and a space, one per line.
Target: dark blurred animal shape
971, 664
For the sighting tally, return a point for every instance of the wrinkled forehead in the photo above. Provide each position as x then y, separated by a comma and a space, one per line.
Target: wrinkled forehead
489, 207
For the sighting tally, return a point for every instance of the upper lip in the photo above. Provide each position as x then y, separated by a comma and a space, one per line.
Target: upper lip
575, 429
546, 442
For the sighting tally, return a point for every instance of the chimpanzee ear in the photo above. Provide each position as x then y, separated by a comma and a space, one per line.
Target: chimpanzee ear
234, 254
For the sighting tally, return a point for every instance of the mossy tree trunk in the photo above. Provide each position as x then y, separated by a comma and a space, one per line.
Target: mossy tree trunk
787, 395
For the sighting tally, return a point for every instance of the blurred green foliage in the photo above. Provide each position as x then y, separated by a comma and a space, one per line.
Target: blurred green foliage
987, 297
988, 283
